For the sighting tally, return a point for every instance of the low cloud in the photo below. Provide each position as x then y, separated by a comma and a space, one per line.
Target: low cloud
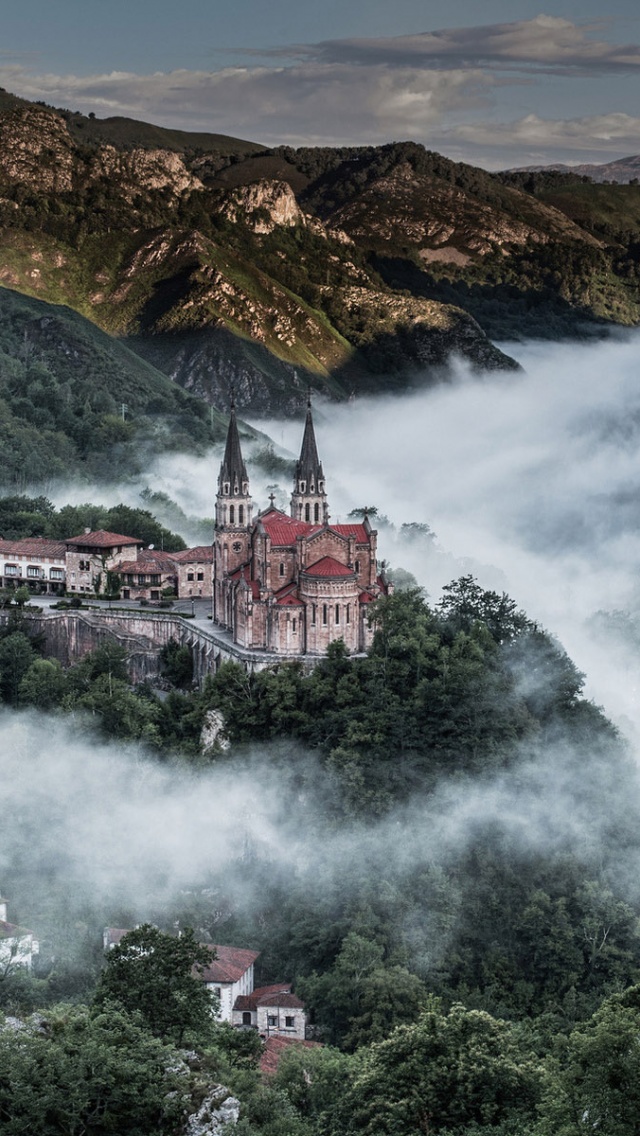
592, 136
547, 43
314, 103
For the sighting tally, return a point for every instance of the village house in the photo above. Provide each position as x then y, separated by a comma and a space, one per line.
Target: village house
195, 571
17, 944
148, 576
91, 557
228, 976
290, 584
35, 562
272, 1010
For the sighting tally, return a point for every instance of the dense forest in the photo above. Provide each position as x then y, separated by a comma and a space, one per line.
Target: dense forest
454, 893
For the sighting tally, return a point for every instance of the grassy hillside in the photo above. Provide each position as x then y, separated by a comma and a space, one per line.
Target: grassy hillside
73, 400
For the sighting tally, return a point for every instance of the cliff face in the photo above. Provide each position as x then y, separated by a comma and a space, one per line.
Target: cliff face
270, 270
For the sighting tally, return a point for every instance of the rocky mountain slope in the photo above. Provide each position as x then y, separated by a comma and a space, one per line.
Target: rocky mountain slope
225, 264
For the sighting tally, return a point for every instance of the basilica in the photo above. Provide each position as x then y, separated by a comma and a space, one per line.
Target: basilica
290, 584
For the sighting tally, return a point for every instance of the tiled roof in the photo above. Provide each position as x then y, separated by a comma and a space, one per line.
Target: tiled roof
34, 546
286, 1000
229, 965
149, 564
327, 566
12, 931
274, 1047
103, 539
261, 994
202, 554
366, 597
358, 531
282, 529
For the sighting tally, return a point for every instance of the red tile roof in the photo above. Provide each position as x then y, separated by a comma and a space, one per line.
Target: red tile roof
34, 546
12, 931
366, 597
203, 553
149, 564
358, 531
283, 529
274, 1047
261, 994
327, 566
103, 539
229, 965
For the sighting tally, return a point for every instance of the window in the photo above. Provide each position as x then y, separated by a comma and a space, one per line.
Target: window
282, 569
200, 576
155, 595
11, 569
337, 613
313, 615
217, 991
348, 614
302, 487
56, 574
32, 571
294, 624
307, 512
246, 1017
241, 514
272, 1020
324, 614
357, 567
289, 1022
189, 575
316, 512
232, 514
125, 593
141, 579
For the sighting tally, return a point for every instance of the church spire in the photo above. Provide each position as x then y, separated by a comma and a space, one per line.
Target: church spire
309, 500
233, 502
233, 471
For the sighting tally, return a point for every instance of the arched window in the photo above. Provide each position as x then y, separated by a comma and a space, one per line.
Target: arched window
232, 514
337, 613
348, 613
325, 614
313, 615
281, 568
316, 512
357, 567
307, 512
241, 514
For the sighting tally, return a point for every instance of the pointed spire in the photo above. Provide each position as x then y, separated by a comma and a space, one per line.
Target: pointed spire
309, 466
233, 471
309, 498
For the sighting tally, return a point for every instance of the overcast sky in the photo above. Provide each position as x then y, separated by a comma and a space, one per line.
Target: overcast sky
495, 83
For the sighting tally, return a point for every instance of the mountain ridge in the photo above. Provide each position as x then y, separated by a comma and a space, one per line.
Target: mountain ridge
348, 269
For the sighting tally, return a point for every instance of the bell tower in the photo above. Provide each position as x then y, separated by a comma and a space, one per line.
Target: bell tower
309, 499
234, 507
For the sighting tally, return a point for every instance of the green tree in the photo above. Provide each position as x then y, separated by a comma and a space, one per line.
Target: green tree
16, 656
44, 685
159, 976
446, 1073
594, 1083
77, 1073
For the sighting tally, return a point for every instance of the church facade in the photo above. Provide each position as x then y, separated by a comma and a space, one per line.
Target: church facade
290, 583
